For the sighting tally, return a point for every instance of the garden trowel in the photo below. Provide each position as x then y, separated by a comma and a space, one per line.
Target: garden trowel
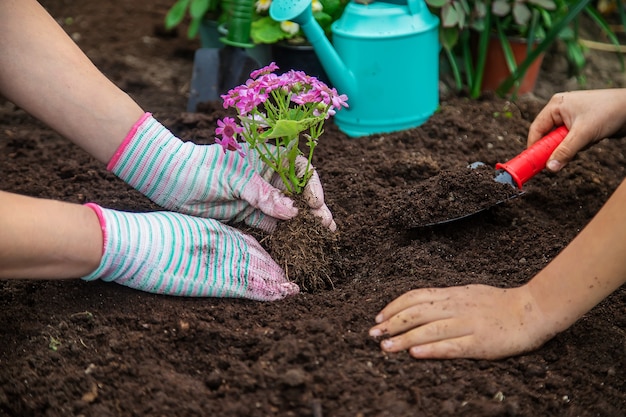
513, 173
531, 161
217, 70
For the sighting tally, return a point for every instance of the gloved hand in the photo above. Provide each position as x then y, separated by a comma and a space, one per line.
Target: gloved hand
202, 180
175, 254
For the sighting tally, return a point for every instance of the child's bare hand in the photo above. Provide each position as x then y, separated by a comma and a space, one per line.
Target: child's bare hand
474, 321
590, 116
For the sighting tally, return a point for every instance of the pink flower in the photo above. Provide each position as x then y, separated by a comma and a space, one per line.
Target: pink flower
228, 129
278, 110
339, 101
230, 144
265, 70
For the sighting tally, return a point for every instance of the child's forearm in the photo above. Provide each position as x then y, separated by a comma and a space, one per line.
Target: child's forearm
47, 239
590, 268
44, 72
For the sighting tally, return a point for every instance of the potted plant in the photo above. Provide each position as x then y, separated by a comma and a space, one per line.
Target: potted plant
267, 30
283, 42
469, 27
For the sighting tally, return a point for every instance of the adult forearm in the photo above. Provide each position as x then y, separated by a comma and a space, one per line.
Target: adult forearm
590, 268
44, 72
47, 239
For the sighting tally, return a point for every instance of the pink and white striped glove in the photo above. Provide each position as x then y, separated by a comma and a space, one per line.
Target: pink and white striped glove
202, 180
175, 254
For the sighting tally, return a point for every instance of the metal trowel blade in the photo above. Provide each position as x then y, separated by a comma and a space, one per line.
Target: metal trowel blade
502, 177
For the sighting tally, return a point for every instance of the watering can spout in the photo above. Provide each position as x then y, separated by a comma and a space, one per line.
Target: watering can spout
384, 56
299, 11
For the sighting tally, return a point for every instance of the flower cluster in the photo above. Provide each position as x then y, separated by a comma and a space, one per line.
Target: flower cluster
275, 112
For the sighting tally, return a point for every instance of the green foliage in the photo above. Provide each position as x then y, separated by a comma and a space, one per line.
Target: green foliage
267, 30
54, 343
197, 10
263, 29
467, 26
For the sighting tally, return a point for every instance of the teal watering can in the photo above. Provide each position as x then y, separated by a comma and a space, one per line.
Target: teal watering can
384, 57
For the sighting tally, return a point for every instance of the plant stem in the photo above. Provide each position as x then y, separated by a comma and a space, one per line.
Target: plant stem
455, 69
483, 43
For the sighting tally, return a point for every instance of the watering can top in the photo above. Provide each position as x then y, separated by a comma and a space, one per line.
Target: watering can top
369, 18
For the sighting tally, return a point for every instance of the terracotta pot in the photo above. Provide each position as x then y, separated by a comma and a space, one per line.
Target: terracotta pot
496, 69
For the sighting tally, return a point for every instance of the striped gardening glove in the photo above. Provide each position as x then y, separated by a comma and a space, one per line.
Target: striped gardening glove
175, 254
204, 181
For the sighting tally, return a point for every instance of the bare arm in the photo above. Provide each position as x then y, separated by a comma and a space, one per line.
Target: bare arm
47, 239
590, 268
44, 72
479, 321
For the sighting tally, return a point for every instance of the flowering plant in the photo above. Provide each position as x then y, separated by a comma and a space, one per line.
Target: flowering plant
264, 29
279, 109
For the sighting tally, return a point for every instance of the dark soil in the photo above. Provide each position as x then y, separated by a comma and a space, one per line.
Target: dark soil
450, 195
72, 348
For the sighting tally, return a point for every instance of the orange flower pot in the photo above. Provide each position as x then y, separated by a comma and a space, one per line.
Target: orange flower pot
496, 69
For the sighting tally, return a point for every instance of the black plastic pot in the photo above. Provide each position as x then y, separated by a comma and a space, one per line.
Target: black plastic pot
298, 57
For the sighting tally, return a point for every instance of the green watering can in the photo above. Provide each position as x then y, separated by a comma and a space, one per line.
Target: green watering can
384, 57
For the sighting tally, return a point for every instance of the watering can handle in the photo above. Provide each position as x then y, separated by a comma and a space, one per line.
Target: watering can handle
415, 6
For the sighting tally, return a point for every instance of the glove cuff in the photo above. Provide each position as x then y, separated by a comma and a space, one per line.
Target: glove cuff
98, 210
129, 137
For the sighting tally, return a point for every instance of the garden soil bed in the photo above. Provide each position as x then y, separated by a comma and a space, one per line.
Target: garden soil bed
73, 348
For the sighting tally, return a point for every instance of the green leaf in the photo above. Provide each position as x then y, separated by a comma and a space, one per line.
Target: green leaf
198, 8
544, 4
176, 14
521, 14
194, 27
436, 3
286, 128
449, 37
575, 56
449, 17
323, 19
501, 8
480, 8
509, 57
331, 6
267, 30
475, 79
462, 14
567, 34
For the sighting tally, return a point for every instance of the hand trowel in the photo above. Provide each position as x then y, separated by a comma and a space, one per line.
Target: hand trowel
531, 161
457, 198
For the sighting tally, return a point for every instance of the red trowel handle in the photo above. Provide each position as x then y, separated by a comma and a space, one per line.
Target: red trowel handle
531, 161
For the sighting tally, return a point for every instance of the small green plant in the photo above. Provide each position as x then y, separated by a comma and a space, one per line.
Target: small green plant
263, 29
54, 343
